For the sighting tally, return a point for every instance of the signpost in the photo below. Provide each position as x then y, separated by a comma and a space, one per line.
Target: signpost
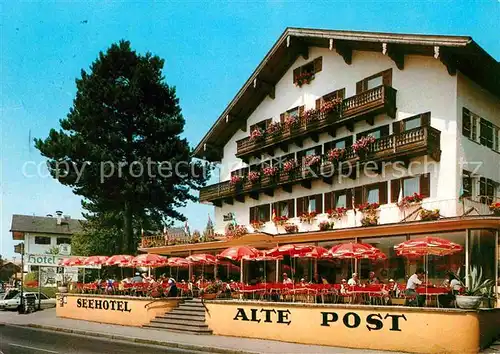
19, 248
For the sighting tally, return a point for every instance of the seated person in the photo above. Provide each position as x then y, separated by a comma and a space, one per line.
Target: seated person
354, 280
343, 286
372, 279
455, 287
286, 279
411, 288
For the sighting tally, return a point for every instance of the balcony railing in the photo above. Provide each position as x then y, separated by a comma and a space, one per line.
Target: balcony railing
378, 100
408, 144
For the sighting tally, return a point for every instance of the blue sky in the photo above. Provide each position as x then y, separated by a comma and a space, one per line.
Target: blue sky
210, 49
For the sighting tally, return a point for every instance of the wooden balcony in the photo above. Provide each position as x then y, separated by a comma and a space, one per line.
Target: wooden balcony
366, 105
397, 147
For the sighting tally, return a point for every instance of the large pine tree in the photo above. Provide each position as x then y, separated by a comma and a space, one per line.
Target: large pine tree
120, 146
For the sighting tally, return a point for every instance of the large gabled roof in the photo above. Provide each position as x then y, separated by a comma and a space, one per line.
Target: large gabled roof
456, 52
45, 225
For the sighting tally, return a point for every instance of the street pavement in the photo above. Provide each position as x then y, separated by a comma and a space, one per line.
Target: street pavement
23, 340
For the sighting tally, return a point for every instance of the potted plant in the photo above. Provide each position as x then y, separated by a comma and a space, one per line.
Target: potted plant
429, 215
335, 155
337, 213
308, 217
291, 228
280, 220
291, 122
304, 78
326, 225
273, 129
362, 145
236, 231
211, 291
369, 220
474, 293
254, 177
290, 166
256, 134
410, 200
257, 225
63, 284
270, 171
495, 208
330, 105
237, 180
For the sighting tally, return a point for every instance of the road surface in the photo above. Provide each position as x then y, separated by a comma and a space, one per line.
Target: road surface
20, 340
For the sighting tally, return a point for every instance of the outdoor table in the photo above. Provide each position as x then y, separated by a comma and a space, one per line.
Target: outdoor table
430, 292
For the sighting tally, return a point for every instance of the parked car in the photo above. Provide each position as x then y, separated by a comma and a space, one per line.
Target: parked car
14, 302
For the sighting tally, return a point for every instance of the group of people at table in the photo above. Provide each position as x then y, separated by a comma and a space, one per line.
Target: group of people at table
415, 291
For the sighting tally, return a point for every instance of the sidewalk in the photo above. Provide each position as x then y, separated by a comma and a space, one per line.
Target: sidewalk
215, 344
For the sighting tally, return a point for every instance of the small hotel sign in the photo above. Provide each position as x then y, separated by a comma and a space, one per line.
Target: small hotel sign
50, 260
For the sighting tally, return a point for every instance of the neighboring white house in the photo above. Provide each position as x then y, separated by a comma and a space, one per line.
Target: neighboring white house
432, 103
42, 234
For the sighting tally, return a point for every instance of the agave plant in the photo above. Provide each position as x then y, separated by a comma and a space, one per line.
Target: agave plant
477, 285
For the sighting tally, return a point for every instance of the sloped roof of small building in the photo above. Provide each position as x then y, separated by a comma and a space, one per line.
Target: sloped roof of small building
456, 52
45, 224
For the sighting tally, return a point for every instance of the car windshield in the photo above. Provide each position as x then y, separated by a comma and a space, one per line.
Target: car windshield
11, 295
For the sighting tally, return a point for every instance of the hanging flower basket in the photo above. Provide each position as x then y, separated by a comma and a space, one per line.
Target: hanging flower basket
495, 208
308, 217
237, 180
335, 155
257, 225
254, 177
411, 200
429, 215
280, 220
256, 134
337, 213
291, 228
362, 145
304, 78
326, 225
369, 220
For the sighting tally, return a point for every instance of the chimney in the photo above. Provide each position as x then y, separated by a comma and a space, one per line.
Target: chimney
59, 217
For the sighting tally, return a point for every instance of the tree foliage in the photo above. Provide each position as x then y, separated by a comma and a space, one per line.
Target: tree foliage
120, 146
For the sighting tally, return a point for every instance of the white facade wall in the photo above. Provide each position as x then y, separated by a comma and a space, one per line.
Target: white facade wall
475, 157
32, 248
424, 85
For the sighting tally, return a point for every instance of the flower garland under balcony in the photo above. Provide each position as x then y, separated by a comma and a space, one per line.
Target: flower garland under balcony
326, 225
308, 217
304, 78
337, 213
495, 208
254, 177
237, 180
410, 200
335, 155
429, 215
362, 145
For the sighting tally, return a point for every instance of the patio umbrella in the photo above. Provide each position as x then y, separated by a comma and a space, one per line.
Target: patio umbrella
425, 246
289, 250
353, 250
95, 261
237, 253
73, 262
119, 260
203, 259
177, 262
316, 253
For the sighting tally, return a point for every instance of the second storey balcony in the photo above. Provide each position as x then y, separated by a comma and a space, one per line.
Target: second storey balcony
366, 105
400, 147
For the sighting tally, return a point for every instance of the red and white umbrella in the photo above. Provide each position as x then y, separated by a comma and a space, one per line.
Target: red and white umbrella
202, 259
72, 261
95, 260
317, 252
239, 252
354, 250
120, 260
177, 262
428, 245
148, 260
289, 250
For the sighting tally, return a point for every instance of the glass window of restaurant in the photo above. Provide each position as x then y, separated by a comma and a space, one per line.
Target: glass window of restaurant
482, 251
394, 267
438, 266
334, 270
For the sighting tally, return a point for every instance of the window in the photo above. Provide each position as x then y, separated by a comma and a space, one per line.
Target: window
486, 190
411, 186
330, 96
285, 208
262, 124
312, 67
295, 112
381, 78
372, 193
480, 130
406, 186
393, 268
309, 204
413, 122
377, 133
467, 185
63, 240
280, 160
44, 297
240, 172
338, 199
42, 240
312, 151
260, 213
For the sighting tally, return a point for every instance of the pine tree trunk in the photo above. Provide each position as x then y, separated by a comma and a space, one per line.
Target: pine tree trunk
128, 232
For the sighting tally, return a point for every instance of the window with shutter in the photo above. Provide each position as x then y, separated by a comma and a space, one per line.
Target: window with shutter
397, 127
383, 193
482, 189
349, 199
251, 215
340, 144
486, 133
425, 185
319, 203
358, 196
395, 190
318, 64
490, 191
291, 208
329, 201
372, 193
300, 206
376, 80
301, 110
410, 186
313, 67
466, 128
341, 200
377, 133
466, 184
